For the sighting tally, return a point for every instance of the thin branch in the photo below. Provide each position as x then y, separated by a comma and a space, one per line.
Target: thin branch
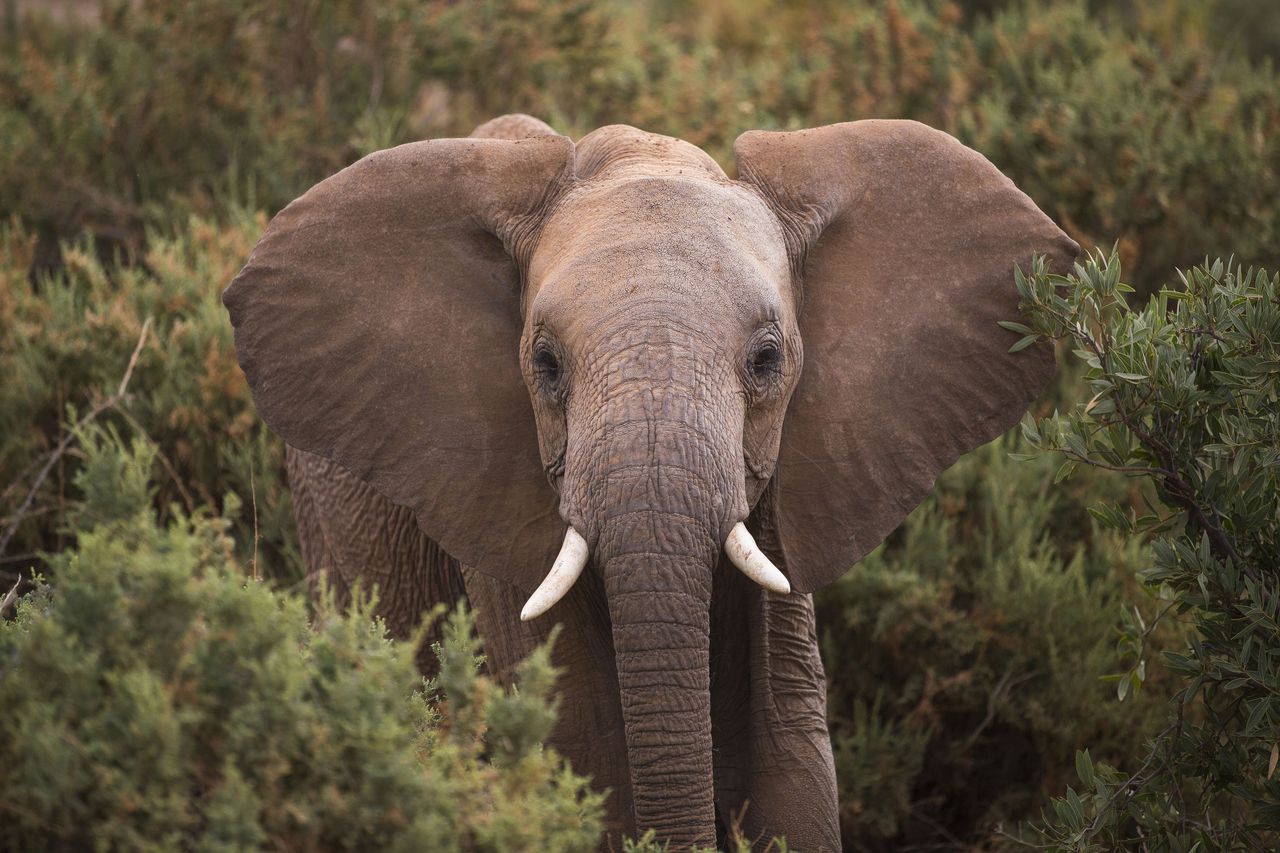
58, 452
1006, 683
1120, 469
1129, 783
10, 597
133, 360
22, 475
43, 510
253, 494
165, 461
1184, 496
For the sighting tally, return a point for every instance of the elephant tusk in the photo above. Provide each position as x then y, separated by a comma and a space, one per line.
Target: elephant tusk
747, 556
564, 572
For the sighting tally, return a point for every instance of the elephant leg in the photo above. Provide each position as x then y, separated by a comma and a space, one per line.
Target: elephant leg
350, 534
774, 771
589, 730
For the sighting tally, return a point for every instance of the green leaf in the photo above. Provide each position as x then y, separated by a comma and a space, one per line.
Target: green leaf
1084, 767
1256, 716
1030, 431
1024, 343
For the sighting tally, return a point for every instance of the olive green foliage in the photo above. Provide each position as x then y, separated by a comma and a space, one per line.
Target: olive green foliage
163, 102
1137, 122
66, 343
964, 656
155, 698
140, 157
1186, 395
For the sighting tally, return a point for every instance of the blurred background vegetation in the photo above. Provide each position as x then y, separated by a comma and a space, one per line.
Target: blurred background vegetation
144, 145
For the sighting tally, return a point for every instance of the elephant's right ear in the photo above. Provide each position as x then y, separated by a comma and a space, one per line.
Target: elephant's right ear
378, 323
906, 242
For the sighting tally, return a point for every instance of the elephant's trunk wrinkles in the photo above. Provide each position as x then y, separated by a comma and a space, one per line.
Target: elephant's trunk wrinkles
662, 476
660, 607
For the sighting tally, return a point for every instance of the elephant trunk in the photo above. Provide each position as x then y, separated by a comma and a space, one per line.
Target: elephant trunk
659, 603
663, 478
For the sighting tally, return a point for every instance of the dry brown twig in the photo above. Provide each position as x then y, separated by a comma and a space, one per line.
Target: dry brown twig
57, 453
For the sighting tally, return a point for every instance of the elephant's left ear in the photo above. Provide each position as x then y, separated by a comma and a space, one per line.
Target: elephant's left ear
905, 241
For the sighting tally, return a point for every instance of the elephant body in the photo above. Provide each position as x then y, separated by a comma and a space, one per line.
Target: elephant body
695, 398
773, 766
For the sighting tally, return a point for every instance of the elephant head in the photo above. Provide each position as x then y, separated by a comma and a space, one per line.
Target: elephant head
614, 353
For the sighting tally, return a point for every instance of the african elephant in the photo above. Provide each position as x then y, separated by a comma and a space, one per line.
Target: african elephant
696, 398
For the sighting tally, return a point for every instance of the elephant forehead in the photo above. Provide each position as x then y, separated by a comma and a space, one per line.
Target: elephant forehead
697, 241
620, 150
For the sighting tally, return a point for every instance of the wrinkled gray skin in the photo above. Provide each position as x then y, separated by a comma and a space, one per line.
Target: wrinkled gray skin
660, 326
660, 433
768, 694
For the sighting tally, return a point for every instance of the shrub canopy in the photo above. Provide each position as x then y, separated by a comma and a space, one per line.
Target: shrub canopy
141, 154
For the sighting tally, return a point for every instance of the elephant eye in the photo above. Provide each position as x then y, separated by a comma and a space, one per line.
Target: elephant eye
766, 361
547, 365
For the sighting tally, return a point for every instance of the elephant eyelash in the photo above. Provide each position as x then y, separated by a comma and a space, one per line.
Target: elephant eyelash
548, 368
546, 363
764, 367
766, 361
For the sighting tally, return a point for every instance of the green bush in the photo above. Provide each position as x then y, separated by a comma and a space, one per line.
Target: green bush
156, 698
1160, 141
964, 656
204, 100
1184, 395
64, 347
1137, 124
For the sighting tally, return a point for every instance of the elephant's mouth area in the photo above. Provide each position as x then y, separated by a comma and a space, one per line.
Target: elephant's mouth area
555, 470
739, 546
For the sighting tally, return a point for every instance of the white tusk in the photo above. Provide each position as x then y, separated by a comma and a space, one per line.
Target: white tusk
747, 556
564, 571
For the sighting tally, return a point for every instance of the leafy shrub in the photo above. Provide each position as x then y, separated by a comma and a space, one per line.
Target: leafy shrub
157, 699
1127, 124
964, 656
1164, 143
65, 345
1184, 394
207, 99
